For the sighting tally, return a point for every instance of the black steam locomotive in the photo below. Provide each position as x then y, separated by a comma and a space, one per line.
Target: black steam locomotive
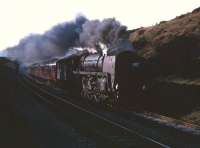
104, 79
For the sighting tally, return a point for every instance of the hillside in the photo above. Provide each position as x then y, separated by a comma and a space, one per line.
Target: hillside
173, 44
173, 47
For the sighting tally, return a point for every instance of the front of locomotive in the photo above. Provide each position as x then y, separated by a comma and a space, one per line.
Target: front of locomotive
106, 78
95, 81
111, 79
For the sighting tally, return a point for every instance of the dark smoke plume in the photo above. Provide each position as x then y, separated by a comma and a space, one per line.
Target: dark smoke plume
55, 42
66, 36
107, 32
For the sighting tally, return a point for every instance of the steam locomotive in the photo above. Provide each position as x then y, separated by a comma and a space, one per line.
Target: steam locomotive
103, 79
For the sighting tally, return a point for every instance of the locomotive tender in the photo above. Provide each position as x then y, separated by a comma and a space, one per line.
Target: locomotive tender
104, 79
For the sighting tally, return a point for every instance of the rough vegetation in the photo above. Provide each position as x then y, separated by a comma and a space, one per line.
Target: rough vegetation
174, 49
173, 44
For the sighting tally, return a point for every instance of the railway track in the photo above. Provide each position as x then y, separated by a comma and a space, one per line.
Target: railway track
123, 129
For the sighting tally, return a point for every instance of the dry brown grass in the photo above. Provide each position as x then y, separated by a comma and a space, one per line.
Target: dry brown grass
151, 41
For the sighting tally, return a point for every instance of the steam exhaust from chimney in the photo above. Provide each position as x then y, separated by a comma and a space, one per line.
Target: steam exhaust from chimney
81, 32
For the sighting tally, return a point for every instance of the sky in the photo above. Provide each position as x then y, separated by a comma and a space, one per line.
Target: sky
18, 18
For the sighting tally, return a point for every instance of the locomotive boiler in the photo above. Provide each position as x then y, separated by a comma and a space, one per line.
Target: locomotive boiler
98, 78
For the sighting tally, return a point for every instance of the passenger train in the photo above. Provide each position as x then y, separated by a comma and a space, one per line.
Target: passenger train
104, 79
